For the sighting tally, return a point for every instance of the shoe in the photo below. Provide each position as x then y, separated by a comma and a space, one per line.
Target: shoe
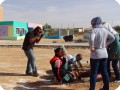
35, 74
29, 74
117, 81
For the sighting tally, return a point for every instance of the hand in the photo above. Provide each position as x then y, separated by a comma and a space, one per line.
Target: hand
83, 69
92, 49
41, 33
106, 46
38, 34
113, 55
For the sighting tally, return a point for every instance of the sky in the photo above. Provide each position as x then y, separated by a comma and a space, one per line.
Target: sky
62, 13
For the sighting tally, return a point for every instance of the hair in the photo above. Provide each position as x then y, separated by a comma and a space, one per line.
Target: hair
58, 50
37, 29
80, 55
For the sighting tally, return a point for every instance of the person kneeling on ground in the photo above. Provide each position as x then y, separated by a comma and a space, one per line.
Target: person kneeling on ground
75, 61
74, 64
57, 64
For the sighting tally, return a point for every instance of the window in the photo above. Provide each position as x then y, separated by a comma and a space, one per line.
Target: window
17, 30
23, 31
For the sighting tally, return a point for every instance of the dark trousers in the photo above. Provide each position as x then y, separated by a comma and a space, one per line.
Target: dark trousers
115, 68
94, 63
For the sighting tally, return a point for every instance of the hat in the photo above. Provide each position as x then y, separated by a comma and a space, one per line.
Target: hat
68, 57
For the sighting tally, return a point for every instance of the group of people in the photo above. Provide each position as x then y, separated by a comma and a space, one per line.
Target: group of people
65, 67
104, 49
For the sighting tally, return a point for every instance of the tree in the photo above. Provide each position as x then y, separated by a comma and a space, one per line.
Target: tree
117, 27
47, 27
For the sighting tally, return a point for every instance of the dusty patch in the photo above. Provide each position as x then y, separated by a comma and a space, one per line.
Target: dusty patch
13, 65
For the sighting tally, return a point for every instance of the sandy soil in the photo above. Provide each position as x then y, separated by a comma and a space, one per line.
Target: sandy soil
13, 65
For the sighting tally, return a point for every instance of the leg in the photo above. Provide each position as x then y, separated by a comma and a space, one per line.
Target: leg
94, 63
31, 58
99, 69
108, 68
99, 72
28, 67
119, 65
116, 69
103, 63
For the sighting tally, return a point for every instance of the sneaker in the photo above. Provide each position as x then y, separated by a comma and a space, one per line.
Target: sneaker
29, 74
35, 74
117, 81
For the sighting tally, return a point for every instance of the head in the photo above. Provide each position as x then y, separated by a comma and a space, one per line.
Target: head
37, 30
69, 59
79, 57
109, 28
96, 21
59, 52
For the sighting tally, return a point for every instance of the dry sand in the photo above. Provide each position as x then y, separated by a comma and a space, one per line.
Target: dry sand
13, 65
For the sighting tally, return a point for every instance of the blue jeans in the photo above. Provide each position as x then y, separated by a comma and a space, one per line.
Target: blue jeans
115, 68
31, 61
94, 63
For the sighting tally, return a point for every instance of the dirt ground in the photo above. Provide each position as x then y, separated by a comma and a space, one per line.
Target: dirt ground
13, 65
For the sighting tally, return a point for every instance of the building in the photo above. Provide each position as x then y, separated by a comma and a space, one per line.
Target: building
13, 30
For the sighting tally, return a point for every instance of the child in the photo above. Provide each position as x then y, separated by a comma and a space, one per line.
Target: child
74, 64
74, 60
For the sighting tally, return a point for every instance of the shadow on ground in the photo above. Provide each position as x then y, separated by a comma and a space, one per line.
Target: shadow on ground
45, 83
39, 85
11, 74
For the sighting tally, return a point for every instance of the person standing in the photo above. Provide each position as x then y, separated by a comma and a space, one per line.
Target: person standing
99, 39
31, 38
113, 53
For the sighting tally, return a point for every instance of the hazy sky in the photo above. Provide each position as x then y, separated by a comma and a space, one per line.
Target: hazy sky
62, 13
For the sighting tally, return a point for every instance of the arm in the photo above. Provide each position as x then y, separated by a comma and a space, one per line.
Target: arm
91, 42
64, 49
36, 38
39, 38
76, 68
33, 39
57, 66
81, 66
110, 39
